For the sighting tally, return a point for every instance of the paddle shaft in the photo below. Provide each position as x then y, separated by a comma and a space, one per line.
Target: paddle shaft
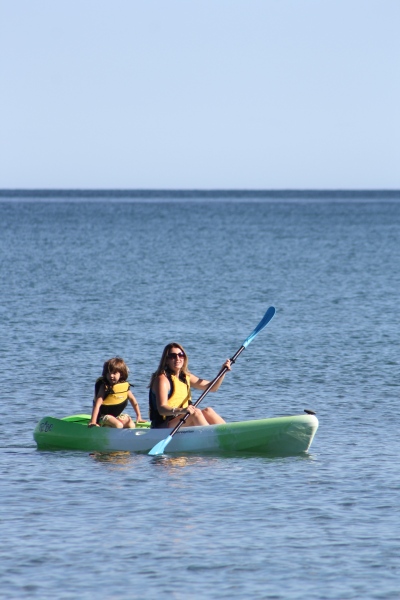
213, 382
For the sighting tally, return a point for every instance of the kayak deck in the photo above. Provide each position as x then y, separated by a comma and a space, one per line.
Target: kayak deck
278, 436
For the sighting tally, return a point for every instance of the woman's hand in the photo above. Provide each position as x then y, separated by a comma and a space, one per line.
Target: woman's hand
93, 425
227, 364
193, 410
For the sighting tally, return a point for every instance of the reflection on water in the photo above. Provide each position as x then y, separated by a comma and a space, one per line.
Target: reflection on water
123, 461
180, 462
118, 461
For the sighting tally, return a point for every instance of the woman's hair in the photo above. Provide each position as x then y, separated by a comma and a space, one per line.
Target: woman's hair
114, 365
163, 368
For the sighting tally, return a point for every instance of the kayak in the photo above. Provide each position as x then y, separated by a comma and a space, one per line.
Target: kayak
278, 436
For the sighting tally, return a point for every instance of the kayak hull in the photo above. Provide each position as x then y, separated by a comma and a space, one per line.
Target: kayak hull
279, 436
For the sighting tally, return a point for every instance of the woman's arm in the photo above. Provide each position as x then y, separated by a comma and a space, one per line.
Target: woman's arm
202, 384
135, 407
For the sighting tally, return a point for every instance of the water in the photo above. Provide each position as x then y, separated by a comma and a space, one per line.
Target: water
83, 279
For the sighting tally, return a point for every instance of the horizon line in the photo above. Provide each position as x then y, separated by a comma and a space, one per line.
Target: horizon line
196, 192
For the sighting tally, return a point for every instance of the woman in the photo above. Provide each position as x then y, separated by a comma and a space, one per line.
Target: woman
169, 396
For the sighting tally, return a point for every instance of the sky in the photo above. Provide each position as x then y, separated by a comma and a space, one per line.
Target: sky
200, 94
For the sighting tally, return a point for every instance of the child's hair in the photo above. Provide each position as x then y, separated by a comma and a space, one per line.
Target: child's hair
116, 364
163, 368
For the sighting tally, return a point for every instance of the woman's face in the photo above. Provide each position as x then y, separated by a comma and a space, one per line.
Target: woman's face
175, 358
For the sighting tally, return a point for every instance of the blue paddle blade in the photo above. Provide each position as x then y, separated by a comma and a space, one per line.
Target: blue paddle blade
264, 321
160, 447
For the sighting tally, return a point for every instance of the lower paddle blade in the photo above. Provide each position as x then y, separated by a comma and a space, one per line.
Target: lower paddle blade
160, 447
264, 321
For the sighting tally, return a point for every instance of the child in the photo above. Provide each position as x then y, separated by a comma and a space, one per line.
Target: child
111, 395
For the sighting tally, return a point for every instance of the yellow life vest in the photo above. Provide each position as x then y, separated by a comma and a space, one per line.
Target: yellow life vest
118, 394
179, 397
181, 394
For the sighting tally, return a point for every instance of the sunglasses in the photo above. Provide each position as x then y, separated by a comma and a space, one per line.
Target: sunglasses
175, 355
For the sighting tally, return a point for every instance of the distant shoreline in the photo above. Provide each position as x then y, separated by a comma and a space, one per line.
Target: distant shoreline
184, 194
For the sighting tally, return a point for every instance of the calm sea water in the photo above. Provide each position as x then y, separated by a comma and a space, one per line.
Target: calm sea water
83, 279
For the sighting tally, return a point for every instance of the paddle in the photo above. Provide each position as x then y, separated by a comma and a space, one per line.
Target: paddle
160, 447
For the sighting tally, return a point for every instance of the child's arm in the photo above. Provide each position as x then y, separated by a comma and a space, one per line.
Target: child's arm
135, 407
96, 407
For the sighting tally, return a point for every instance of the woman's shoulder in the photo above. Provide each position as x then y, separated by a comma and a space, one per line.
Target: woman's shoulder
161, 379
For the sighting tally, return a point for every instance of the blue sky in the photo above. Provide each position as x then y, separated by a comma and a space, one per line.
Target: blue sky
190, 94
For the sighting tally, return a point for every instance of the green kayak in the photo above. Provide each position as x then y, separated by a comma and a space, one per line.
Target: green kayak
279, 436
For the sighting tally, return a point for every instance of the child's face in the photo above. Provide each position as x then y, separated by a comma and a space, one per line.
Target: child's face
114, 377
